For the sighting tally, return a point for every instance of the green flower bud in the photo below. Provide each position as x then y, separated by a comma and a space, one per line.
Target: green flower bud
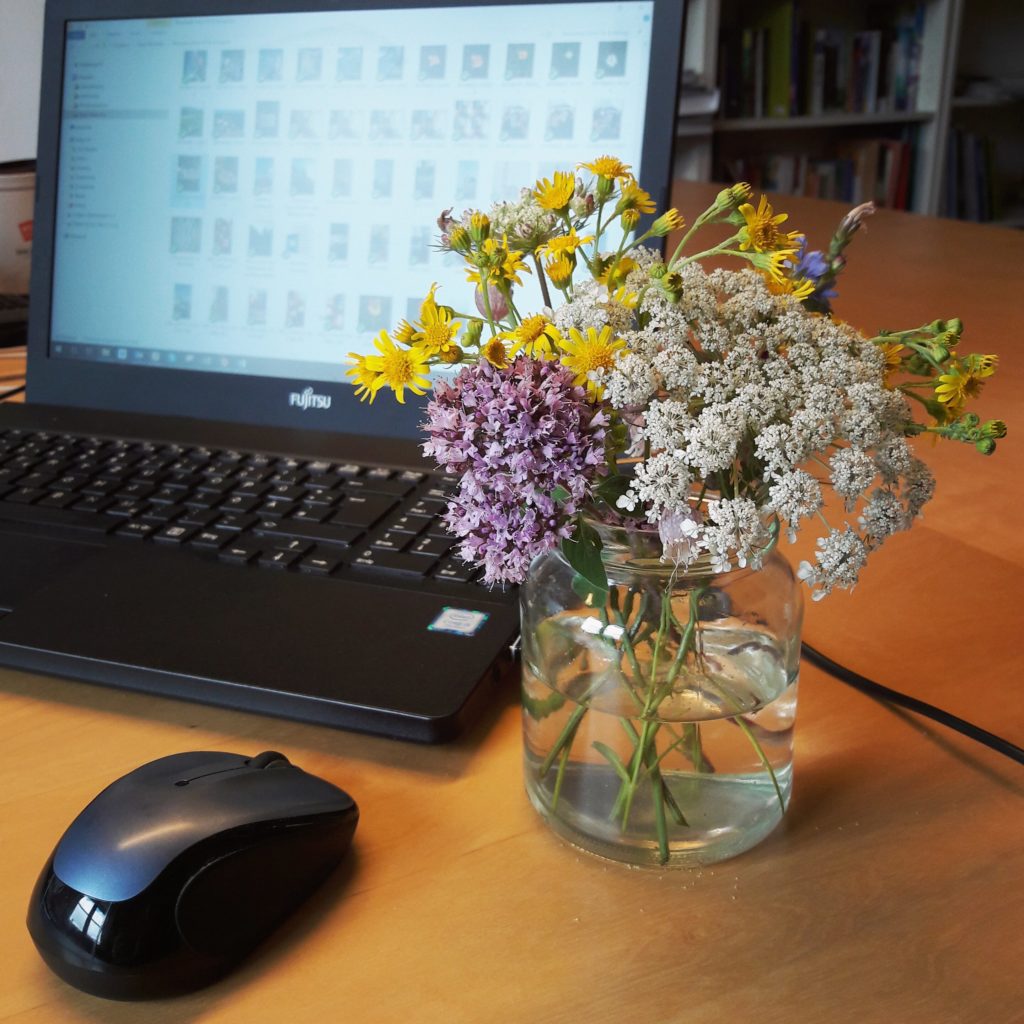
473, 331
994, 428
986, 446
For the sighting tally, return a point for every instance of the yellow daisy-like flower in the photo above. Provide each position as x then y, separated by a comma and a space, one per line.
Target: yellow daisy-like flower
537, 335
564, 245
670, 220
633, 197
774, 265
608, 167
613, 275
494, 262
398, 368
437, 330
893, 352
799, 288
404, 332
584, 353
963, 382
559, 271
762, 228
512, 263
495, 353
555, 195
367, 381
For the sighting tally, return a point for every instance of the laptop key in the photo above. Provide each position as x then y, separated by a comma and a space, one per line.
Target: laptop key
199, 516
392, 561
406, 524
136, 530
296, 545
321, 533
312, 513
240, 552
390, 541
161, 513
58, 499
363, 509
25, 495
240, 503
435, 547
235, 521
173, 534
457, 571
92, 503
209, 539
320, 563
277, 559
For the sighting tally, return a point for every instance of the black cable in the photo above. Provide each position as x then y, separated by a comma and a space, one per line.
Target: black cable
920, 707
12, 393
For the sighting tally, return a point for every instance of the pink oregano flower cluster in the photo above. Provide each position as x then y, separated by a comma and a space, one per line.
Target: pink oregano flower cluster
519, 437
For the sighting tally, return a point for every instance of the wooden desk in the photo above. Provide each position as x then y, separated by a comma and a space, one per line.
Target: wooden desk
891, 893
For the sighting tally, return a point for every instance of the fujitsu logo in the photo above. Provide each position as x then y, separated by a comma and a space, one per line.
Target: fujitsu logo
309, 399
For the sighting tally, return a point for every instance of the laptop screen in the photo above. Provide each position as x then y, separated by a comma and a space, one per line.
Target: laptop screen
270, 184
256, 193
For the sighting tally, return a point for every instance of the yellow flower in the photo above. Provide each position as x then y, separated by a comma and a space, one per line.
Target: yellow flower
773, 264
495, 353
633, 197
730, 198
630, 218
564, 245
893, 352
403, 332
559, 271
398, 368
963, 382
479, 226
512, 263
799, 287
762, 228
367, 381
670, 220
537, 335
592, 351
616, 272
494, 262
608, 167
437, 330
555, 195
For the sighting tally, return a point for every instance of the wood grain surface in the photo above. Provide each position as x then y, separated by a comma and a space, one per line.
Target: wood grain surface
892, 892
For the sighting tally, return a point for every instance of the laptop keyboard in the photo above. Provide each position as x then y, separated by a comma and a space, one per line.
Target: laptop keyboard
278, 513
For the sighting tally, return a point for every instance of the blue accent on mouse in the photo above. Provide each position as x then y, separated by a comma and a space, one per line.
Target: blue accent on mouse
176, 871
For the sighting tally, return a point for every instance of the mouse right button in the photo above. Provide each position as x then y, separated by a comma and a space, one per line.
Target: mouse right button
234, 902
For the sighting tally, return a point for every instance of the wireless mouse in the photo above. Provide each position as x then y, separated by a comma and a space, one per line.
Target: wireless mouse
176, 871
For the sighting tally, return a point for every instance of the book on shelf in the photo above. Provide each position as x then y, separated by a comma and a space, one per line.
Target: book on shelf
789, 62
969, 185
866, 169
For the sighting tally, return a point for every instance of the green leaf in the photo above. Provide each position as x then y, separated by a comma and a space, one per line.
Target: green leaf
613, 760
560, 495
583, 552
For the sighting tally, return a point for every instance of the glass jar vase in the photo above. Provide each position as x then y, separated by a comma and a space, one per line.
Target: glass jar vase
658, 718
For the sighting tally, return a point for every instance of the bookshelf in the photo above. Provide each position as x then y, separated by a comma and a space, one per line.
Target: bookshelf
913, 104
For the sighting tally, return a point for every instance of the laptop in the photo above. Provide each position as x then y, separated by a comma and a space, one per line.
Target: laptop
232, 196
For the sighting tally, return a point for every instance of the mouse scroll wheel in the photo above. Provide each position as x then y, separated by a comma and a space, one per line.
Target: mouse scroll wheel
269, 759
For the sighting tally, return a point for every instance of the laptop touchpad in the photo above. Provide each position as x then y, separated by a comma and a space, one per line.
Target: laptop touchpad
29, 563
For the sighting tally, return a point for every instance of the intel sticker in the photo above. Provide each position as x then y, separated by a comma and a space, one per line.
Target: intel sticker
458, 620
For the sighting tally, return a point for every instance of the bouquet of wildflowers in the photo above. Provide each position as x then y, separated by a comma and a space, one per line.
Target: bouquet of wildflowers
651, 390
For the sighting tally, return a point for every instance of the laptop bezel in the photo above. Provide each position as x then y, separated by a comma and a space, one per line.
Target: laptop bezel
239, 398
